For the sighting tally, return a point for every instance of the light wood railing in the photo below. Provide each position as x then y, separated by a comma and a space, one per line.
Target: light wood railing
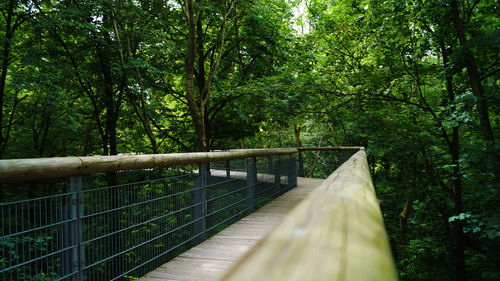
39, 168
336, 233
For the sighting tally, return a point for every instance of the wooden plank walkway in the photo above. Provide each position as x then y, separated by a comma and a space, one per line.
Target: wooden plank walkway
210, 259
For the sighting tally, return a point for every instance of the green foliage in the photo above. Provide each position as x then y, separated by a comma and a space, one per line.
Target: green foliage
389, 75
377, 72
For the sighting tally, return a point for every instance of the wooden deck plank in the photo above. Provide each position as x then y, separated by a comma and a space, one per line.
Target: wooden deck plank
210, 259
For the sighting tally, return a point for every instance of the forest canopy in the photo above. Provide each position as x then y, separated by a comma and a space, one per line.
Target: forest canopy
415, 82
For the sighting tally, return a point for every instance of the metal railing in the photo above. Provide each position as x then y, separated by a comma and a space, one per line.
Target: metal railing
91, 231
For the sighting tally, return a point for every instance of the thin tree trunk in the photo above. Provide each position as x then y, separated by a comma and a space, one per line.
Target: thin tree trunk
410, 188
87, 89
334, 134
454, 150
403, 216
459, 226
296, 133
105, 65
317, 155
199, 109
10, 123
142, 116
345, 139
5, 64
194, 108
145, 116
477, 89
111, 119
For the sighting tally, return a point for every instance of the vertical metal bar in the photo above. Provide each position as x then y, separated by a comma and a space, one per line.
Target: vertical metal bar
301, 164
200, 205
228, 170
292, 171
76, 227
205, 175
251, 182
269, 165
277, 175
269, 174
61, 235
46, 213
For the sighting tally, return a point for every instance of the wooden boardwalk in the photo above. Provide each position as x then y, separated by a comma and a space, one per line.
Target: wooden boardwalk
210, 259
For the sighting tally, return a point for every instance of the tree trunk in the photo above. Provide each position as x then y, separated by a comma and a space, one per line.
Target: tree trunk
87, 90
198, 109
201, 136
195, 109
105, 66
110, 147
109, 139
296, 133
111, 118
454, 149
316, 157
403, 216
5, 64
477, 89
459, 226
410, 188
334, 135
141, 115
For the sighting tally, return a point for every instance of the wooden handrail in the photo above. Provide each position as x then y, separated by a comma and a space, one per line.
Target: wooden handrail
336, 233
39, 168
330, 148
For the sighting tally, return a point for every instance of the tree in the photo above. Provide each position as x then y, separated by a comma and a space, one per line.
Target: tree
13, 17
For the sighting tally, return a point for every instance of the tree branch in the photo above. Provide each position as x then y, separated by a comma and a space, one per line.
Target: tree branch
214, 67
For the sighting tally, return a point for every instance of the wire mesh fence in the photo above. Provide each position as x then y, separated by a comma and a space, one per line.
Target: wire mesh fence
91, 230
